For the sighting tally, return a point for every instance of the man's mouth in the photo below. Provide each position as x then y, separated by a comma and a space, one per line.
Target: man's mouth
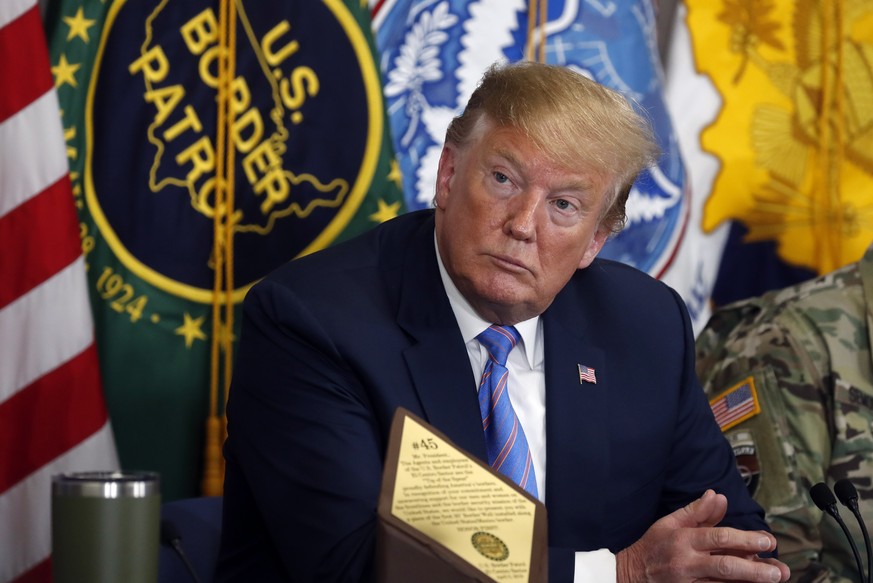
508, 263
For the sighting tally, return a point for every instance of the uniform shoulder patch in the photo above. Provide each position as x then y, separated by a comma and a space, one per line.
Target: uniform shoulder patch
748, 463
735, 405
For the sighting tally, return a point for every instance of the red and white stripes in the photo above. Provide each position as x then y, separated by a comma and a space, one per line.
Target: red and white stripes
52, 414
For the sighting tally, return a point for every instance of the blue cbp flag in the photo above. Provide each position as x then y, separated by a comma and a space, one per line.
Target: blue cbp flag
434, 53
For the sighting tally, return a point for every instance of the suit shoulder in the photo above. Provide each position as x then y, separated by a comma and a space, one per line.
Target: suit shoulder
616, 292
623, 282
381, 247
611, 270
350, 277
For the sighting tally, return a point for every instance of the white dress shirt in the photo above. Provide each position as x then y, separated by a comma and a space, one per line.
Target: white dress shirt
527, 392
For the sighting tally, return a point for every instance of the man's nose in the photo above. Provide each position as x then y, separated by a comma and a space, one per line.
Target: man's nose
523, 212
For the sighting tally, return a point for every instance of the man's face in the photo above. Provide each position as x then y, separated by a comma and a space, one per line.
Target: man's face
512, 226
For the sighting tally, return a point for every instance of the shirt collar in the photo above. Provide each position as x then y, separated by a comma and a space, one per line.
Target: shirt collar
471, 324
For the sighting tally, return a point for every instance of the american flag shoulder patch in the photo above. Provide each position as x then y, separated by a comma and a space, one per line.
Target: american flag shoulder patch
735, 405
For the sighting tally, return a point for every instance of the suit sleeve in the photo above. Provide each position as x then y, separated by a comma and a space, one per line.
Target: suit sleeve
303, 453
702, 457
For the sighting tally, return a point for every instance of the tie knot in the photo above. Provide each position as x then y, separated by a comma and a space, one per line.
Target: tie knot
499, 340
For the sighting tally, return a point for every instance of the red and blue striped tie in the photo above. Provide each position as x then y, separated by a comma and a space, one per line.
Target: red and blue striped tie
508, 451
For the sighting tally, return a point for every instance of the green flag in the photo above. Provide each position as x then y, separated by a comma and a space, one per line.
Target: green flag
301, 137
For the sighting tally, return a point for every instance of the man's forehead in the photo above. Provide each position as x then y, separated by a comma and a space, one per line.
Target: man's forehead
506, 144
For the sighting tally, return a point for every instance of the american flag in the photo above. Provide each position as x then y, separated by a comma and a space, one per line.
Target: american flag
735, 405
53, 417
586, 374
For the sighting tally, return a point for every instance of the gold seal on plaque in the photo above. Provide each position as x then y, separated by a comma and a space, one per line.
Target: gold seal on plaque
490, 546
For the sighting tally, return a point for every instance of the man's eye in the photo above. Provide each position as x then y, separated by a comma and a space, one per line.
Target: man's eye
562, 204
501, 178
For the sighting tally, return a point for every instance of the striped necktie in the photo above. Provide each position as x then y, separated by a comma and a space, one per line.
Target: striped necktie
508, 451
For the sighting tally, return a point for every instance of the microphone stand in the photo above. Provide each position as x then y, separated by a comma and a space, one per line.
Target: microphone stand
823, 497
848, 495
170, 536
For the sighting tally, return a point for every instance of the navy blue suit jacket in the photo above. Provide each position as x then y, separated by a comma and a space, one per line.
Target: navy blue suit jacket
333, 343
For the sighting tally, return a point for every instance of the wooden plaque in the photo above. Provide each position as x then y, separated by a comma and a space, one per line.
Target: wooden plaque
446, 516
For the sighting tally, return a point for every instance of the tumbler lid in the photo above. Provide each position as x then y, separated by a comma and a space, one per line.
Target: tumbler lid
106, 484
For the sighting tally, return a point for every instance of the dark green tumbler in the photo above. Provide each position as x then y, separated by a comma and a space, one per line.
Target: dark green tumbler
105, 527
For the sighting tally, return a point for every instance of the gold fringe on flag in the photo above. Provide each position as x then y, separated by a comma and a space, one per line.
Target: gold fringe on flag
537, 18
230, 224
831, 136
223, 218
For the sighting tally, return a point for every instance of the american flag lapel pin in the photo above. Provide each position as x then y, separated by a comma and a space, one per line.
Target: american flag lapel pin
586, 374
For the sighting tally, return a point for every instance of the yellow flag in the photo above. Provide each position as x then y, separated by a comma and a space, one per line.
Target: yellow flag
794, 136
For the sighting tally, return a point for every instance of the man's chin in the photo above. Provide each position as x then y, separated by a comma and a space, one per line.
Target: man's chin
514, 307
500, 294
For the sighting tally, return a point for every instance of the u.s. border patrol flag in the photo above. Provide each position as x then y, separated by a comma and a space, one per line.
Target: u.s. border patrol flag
434, 52
793, 138
311, 164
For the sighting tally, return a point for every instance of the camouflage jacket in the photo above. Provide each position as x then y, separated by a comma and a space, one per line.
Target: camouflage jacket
790, 378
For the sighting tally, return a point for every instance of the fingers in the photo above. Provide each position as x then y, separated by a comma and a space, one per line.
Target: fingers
671, 560
736, 558
731, 568
708, 510
725, 540
686, 545
712, 508
783, 568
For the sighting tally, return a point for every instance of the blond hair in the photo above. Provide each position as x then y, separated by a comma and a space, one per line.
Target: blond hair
574, 121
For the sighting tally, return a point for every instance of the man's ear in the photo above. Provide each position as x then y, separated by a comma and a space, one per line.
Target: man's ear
445, 175
594, 246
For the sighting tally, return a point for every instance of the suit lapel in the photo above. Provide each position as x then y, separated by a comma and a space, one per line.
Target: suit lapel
576, 423
437, 358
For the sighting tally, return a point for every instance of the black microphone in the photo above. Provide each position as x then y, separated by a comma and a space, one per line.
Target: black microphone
171, 537
848, 495
824, 499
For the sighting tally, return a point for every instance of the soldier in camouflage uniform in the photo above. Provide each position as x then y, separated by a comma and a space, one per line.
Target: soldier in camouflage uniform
790, 378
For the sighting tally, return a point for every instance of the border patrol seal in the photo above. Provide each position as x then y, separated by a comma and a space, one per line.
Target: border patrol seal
489, 546
307, 135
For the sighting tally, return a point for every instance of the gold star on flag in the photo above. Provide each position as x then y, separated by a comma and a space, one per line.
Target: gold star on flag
395, 175
226, 335
79, 25
65, 72
386, 211
190, 329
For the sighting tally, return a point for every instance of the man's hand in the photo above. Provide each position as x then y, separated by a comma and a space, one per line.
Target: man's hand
686, 546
